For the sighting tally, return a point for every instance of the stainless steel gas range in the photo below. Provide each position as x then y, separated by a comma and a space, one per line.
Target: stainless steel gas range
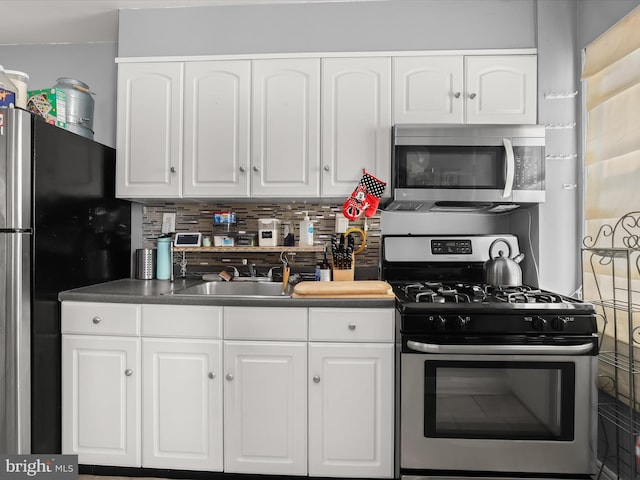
492, 382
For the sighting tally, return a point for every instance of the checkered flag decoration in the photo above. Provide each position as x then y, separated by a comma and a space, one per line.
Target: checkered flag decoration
365, 198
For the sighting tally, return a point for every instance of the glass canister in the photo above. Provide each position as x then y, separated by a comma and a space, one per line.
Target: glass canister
163, 259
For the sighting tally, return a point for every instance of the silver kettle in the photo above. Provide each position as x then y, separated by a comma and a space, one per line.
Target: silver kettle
503, 271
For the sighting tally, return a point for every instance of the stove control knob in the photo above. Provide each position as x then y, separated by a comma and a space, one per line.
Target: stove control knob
538, 323
460, 323
441, 323
558, 323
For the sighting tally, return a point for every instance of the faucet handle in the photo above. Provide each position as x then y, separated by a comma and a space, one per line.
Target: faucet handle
236, 273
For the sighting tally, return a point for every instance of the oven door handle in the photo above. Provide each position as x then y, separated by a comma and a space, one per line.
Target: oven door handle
511, 167
580, 349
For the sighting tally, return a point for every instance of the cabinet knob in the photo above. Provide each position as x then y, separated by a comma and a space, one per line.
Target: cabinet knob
327, 168
128, 372
457, 95
352, 326
173, 169
212, 375
472, 96
242, 169
229, 376
316, 379
96, 320
255, 168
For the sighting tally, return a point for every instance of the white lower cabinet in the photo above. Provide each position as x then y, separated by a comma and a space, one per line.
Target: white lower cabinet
182, 404
265, 407
265, 392
101, 399
152, 398
351, 410
296, 391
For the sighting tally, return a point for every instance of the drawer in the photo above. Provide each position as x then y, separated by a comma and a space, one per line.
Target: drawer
181, 321
351, 324
100, 318
246, 323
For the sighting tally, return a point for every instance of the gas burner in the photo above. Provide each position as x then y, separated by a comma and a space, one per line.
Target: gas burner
522, 294
464, 292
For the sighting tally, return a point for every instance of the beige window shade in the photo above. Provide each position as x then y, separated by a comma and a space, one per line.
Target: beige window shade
612, 155
612, 167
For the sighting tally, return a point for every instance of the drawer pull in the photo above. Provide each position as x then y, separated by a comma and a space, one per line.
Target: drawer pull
352, 326
128, 372
229, 376
316, 378
96, 320
212, 375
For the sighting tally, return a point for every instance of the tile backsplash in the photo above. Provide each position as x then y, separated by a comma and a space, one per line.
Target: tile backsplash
199, 218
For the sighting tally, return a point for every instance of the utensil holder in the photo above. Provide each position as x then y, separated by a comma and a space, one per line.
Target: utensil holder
145, 263
344, 274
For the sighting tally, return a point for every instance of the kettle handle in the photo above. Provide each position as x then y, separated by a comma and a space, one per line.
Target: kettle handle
496, 241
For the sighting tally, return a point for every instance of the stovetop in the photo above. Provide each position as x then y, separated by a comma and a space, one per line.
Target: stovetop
438, 283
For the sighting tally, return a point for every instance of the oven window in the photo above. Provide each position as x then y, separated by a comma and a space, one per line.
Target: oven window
499, 400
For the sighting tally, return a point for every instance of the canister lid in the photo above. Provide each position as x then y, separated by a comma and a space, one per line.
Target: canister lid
17, 73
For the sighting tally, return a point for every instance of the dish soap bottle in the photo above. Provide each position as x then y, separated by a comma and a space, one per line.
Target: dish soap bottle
306, 231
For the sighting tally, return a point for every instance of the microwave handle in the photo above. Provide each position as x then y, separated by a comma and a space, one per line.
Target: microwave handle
511, 166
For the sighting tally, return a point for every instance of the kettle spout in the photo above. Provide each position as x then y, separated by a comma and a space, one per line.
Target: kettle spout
518, 258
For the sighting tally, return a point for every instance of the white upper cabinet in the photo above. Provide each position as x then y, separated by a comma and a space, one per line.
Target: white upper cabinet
356, 122
501, 89
465, 89
149, 130
216, 129
428, 89
285, 128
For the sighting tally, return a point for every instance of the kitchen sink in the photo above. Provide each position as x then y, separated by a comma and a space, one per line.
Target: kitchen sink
236, 289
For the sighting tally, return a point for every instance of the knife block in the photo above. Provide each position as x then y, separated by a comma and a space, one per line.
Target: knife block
344, 274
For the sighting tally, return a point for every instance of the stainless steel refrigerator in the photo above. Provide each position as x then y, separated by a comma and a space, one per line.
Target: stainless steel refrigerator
61, 227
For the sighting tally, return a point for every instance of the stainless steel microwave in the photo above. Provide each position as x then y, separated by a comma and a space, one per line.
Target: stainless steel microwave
490, 168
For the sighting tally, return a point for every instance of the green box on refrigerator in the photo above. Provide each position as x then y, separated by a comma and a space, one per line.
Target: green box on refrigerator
49, 103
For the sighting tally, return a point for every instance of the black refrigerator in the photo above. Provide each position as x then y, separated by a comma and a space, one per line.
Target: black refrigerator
61, 227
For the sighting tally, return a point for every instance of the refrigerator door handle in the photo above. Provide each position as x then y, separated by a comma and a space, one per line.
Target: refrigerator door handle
15, 317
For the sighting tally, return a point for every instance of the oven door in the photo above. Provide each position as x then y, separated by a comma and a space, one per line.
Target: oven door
498, 408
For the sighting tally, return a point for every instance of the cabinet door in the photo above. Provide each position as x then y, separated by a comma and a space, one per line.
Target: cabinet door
285, 128
356, 121
265, 407
101, 399
182, 409
149, 130
501, 89
428, 89
351, 410
216, 129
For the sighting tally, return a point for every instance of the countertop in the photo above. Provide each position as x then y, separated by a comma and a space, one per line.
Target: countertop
130, 290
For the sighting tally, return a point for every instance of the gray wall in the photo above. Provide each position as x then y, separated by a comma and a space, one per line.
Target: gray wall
328, 27
596, 16
92, 63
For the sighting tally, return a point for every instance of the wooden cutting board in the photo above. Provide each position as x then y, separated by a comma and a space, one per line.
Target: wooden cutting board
346, 289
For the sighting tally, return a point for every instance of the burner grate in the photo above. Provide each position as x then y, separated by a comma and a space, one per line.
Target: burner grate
460, 292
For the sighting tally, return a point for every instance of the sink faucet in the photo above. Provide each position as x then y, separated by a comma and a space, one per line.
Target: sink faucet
250, 266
